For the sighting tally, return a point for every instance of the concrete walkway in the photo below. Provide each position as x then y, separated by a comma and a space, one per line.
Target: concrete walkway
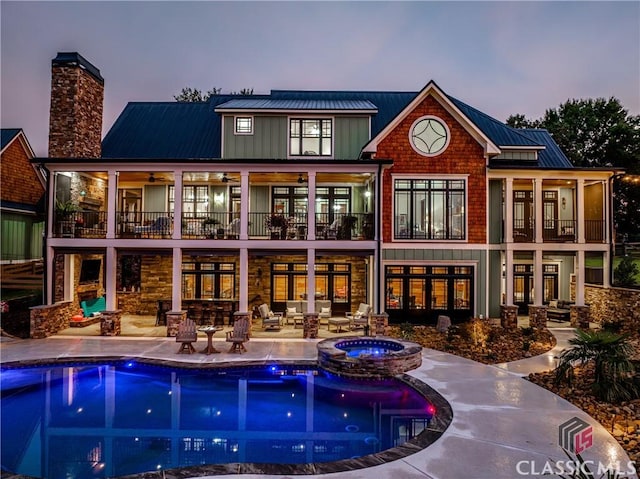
503, 426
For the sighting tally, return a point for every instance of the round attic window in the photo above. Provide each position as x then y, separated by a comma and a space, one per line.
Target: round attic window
429, 136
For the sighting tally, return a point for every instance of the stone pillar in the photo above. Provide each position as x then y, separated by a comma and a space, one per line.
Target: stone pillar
508, 316
379, 324
110, 323
580, 316
310, 324
174, 318
537, 316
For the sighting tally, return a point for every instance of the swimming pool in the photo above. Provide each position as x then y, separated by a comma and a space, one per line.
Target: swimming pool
125, 417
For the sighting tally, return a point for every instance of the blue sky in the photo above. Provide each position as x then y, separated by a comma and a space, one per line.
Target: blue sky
500, 57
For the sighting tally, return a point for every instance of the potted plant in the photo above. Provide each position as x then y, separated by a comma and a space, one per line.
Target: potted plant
64, 217
347, 225
278, 225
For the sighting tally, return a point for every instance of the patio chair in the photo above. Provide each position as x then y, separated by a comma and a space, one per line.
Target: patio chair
270, 319
294, 312
187, 335
161, 226
323, 308
360, 318
239, 335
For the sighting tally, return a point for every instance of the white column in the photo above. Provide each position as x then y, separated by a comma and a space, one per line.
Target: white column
606, 269
176, 278
579, 272
538, 281
311, 280
49, 280
243, 304
508, 213
177, 213
112, 203
508, 276
580, 223
538, 205
311, 206
110, 278
244, 209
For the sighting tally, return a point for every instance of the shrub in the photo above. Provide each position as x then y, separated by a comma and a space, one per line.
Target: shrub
625, 273
610, 354
407, 331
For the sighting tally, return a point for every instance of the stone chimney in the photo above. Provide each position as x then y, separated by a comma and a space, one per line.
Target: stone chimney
75, 120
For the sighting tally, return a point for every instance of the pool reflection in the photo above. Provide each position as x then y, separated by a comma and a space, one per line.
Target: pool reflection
115, 419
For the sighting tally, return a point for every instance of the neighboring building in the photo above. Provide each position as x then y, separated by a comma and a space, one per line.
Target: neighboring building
413, 202
21, 199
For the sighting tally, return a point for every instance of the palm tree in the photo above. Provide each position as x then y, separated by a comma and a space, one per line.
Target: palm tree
613, 370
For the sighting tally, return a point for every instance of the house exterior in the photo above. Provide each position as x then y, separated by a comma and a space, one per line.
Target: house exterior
413, 202
21, 199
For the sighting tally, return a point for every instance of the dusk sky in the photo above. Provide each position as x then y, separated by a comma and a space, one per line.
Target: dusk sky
500, 57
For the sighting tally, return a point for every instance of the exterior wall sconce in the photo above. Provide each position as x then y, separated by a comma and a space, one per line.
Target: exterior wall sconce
564, 203
218, 198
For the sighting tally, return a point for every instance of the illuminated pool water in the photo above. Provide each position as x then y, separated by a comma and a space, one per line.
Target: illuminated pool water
112, 419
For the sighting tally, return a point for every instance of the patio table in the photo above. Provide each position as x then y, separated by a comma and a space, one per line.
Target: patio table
210, 331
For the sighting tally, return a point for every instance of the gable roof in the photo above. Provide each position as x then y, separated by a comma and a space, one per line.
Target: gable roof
7, 135
193, 130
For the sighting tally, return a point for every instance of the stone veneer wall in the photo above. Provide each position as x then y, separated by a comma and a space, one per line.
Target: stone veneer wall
75, 120
614, 305
47, 320
157, 282
129, 302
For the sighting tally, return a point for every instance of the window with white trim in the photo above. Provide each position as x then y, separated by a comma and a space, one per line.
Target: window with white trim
243, 125
429, 209
310, 137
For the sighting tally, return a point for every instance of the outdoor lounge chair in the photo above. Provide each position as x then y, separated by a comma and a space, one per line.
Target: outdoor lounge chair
239, 335
187, 335
360, 318
295, 312
323, 308
270, 319
161, 226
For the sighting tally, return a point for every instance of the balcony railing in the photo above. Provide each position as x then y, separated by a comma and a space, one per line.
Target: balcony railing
524, 231
594, 231
80, 224
559, 231
149, 225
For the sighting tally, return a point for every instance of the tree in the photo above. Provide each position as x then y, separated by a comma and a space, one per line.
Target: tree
598, 133
626, 271
194, 95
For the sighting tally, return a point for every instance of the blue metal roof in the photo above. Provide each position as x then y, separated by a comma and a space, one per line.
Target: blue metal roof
311, 104
498, 132
175, 130
7, 135
552, 156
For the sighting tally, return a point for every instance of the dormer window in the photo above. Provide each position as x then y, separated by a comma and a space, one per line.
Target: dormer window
243, 125
310, 137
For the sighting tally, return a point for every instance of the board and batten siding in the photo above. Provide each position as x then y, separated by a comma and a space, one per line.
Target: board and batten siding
271, 136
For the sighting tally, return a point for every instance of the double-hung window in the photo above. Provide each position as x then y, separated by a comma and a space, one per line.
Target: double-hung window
310, 137
430, 209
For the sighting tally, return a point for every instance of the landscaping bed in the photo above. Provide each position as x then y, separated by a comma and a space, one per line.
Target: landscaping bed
491, 344
480, 341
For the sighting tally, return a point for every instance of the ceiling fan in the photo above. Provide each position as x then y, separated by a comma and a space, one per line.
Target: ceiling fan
152, 178
226, 179
301, 179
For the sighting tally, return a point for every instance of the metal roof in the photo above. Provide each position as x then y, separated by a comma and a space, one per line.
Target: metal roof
7, 135
293, 104
552, 156
175, 130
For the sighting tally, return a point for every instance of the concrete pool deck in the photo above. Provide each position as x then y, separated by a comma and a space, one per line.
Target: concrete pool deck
503, 425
